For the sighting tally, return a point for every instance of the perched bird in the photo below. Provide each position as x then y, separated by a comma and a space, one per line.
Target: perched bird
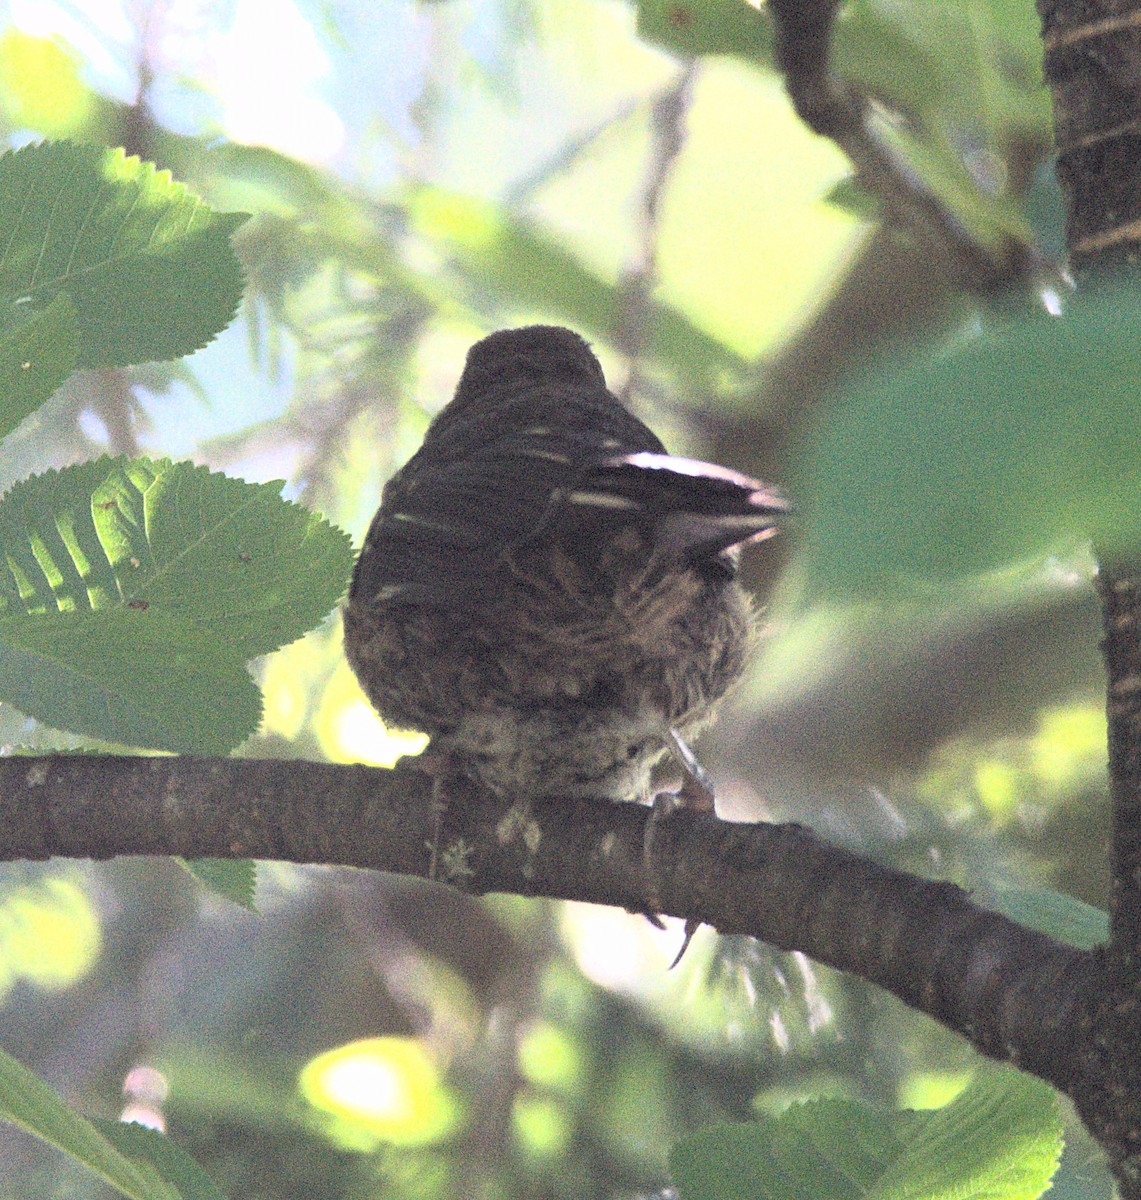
546, 592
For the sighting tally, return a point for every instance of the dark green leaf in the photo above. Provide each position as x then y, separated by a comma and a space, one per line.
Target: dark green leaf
1006, 445
28, 1102
231, 878
37, 354
826, 1148
129, 676
171, 1163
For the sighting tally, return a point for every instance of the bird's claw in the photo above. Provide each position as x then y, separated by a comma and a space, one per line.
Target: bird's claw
691, 927
440, 767
664, 804
439, 811
696, 793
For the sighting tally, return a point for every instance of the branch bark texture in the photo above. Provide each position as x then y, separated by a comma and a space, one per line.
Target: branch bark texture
1093, 65
1109, 1030
1092, 55
1014, 993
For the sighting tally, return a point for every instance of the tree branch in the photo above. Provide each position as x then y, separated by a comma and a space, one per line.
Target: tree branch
1121, 605
1014, 993
838, 110
1090, 62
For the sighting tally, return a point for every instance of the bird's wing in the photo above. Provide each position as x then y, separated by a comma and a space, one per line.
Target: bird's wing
695, 509
446, 522
569, 465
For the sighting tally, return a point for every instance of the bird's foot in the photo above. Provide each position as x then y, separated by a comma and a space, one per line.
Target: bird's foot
441, 767
696, 794
696, 791
439, 811
692, 925
664, 805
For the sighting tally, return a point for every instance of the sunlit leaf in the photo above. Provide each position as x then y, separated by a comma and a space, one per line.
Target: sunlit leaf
151, 536
381, 1089
265, 180
135, 591
147, 265
999, 1138
710, 27
49, 935
40, 85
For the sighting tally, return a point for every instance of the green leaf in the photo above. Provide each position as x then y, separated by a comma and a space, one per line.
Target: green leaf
148, 266
711, 27
136, 590
993, 221
231, 878
173, 1165
1000, 1138
37, 354
149, 535
134, 677
26, 1101
851, 196
947, 67
961, 65
872, 48
531, 270
1066, 918
1012, 443
826, 1148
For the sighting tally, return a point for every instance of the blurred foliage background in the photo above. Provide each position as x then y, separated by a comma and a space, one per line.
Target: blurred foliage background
420, 174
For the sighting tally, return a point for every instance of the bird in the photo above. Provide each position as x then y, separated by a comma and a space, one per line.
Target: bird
546, 592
